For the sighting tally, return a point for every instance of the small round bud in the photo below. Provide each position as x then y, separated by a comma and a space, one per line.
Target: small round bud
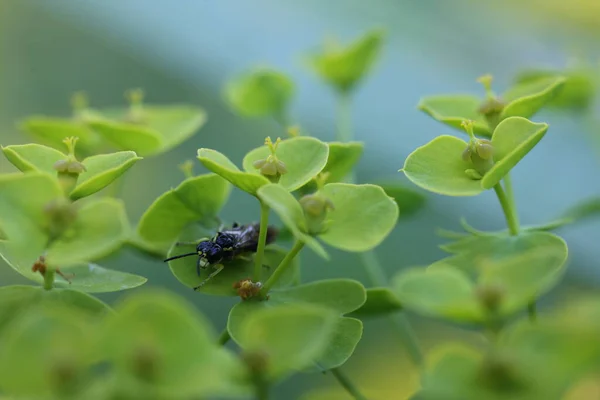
473, 174
269, 168
466, 154
61, 214
247, 289
491, 296
256, 361
484, 150
281, 168
258, 164
316, 208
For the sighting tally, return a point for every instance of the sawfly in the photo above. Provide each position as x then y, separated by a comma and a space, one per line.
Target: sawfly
225, 246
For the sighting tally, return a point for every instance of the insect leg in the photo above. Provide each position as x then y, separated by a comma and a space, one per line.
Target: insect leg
194, 243
198, 266
219, 268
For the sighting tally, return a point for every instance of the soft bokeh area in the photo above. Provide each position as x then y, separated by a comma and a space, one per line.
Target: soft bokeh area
184, 51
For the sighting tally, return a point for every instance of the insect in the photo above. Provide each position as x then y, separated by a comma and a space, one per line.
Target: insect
227, 245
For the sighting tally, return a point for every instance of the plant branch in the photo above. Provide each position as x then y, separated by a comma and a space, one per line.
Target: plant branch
262, 240
282, 267
508, 187
347, 384
532, 311
509, 212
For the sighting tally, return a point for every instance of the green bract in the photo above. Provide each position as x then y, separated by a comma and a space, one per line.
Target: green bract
303, 156
380, 301
514, 269
185, 270
343, 67
159, 345
260, 93
409, 200
439, 166
342, 159
340, 295
281, 339
78, 233
362, 217
101, 170
196, 200
579, 89
522, 100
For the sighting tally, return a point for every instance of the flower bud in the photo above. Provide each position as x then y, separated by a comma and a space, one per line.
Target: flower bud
136, 113
247, 289
484, 149
490, 296
478, 152
473, 174
271, 167
61, 214
492, 106
316, 208
68, 170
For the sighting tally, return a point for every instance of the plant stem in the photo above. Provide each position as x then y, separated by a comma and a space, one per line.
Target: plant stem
282, 267
49, 279
344, 123
224, 337
509, 211
262, 240
403, 327
262, 390
508, 187
347, 384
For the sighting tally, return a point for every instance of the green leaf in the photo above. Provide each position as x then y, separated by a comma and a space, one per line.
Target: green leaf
525, 99
128, 136
578, 90
221, 165
380, 301
583, 210
22, 201
30, 367
52, 131
33, 157
452, 110
342, 159
344, 67
174, 123
101, 171
101, 227
439, 168
409, 200
290, 212
185, 270
20, 300
304, 158
290, 337
260, 93
158, 344
524, 266
198, 199
513, 138
363, 216
442, 292
341, 295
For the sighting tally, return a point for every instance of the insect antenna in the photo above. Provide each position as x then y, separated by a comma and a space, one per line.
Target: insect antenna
181, 256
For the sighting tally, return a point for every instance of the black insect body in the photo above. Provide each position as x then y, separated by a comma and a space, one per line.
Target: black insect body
227, 245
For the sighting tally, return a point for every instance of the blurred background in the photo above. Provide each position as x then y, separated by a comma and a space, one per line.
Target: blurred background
185, 51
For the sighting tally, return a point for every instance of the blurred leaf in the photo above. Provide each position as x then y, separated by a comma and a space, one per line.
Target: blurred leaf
583, 210
101, 227
29, 367
363, 217
260, 93
160, 346
221, 165
185, 270
101, 171
23, 222
409, 200
33, 157
174, 123
127, 136
512, 140
290, 212
52, 131
452, 110
442, 292
197, 199
344, 67
380, 301
527, 98
342, 159
18, 300
303, 156
439, 168
92, 278
289, 337
340, 295
578, 90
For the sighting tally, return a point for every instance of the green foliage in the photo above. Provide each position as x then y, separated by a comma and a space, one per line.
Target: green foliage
341, 296
259, 93
380, 301
344, 67
409, 200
